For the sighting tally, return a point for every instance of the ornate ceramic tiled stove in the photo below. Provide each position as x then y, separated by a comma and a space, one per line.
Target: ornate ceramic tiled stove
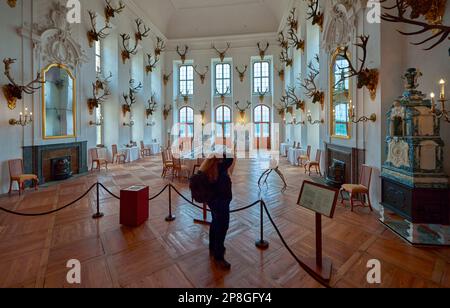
414, 185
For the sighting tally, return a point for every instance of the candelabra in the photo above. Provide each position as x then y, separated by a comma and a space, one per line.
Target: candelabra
316, 122
294, 122
151, 124
363, 119
131, 124
23, 120
442, 113
96, 122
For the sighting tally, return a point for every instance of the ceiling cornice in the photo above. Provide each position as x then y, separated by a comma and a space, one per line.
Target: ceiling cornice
139, 12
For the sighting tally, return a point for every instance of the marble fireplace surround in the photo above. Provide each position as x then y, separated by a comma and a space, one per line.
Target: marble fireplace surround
352, 157
37, 159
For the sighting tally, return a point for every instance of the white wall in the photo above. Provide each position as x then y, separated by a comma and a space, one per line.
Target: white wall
29, 12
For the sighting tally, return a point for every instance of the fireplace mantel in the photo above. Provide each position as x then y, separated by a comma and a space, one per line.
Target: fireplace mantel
352, 157
37, 158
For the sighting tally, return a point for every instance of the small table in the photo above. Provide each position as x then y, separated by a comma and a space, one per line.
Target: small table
294, 155
155, 148
132, 154
284, 147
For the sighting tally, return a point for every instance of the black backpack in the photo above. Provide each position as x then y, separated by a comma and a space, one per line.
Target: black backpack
202, 190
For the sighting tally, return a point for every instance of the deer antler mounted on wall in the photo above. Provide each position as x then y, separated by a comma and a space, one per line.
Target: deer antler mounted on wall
295, 41
141, 33
127, 52
202, 75
166, 112
223, 95
242, 73
130, 98
284, 57
14, 91
151, 63
12, 3
93, 34
294, 99
292, 20
262, 51
183, 54
111, 11
312, 91
101, 84
433, 11
243, 111
152, 106
283, 42
96, 100
284, 107
262, 95
366, 77
314, 13
166, 78
222, 54
281, 73
160, 46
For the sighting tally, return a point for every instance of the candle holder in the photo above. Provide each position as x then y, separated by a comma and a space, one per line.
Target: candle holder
442, 113
316, 122
23, 120
151, 124
97, 122
131, 124
294, 122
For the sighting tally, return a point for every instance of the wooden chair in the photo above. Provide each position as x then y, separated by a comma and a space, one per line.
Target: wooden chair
316, 164
118, 157
179, 169
97, 161
145, 151
167, 163
362, 189
305, 158
16, 174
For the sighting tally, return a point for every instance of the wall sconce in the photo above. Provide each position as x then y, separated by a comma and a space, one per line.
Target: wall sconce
131, 124
316, 122
363, 119
97, 122
295, 123
151, 124
23, 120
443, 113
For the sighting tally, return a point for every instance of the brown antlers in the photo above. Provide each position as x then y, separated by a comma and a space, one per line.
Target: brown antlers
295, 41
310, 86
366, 77
222, 54
111, 11
314, 13
242, 73
183, 54
284, 57
160, 46
294, 99
292, 20
151, 63
262, 51
202, 76
130, 98
166, 78
284, 43
438, 30
141, 33
152, 106
126, 51
167, 111
14, 91
93, 34
96, 100
249, 104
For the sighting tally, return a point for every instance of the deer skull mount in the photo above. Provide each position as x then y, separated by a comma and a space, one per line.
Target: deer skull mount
130, 98
202, 75
94, 35
224, 94
166, 78
366, 77
14, 91
294, 100
242, 73
142, 30
152, 106
262, 95
160, 46
183, 54
312, 91
12, 3
243, 111
314, 14
127, 52
281, 74
111, 11
222, 54
262, 51
284, 57
292, 20
99, 86
295, 41
151, 63
282, 41
166, 112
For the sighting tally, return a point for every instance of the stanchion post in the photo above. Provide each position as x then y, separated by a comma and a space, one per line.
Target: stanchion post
98, 214
262, 244
170, 217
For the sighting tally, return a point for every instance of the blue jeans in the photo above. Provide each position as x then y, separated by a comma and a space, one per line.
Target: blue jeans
220, 212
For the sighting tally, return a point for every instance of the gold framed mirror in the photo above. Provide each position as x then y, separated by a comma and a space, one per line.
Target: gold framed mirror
341, 97
58, 102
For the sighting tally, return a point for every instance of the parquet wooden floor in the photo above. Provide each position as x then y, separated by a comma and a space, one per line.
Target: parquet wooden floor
34, 251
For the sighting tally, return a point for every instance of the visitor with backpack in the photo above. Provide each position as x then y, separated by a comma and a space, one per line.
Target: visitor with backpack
215, 178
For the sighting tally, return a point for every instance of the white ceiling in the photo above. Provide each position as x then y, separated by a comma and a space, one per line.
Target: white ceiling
183, 19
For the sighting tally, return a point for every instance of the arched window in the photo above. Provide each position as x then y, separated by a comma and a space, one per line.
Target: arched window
186, 121
223, 121
261, 118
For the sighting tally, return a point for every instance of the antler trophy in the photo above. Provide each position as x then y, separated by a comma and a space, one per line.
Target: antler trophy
93, 34
166, 78
222, 54
242, 73
281, 73
242, 111
97, 87
152, 106
295, 100
295, 41
183, 54
283, 42
111, 11
166, 112
314, 13
284, 57
366, 77
127, 52
202, 75
262, 95
292, 20
130, 98
160, 46
262, 51
310, 86
14, 91
151, 63
223, 95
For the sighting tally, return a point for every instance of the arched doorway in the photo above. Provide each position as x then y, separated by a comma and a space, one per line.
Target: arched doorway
223, 126
186, 128
261, 116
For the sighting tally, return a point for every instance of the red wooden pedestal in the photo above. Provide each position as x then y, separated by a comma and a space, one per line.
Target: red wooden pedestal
134, 207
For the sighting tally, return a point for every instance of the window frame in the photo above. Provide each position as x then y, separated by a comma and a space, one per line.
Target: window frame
185, 122
222, 123
98, 57
223, 79
262, 122
187, 80
261, 78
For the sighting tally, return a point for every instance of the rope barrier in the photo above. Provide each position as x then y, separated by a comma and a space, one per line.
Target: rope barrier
159, 194
108, 191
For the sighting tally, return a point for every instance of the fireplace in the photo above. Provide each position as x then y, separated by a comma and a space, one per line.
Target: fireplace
352, 159
61, 168
336, 174
56, 162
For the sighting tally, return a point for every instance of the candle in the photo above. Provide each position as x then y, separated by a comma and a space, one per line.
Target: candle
442, 83
433, 102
